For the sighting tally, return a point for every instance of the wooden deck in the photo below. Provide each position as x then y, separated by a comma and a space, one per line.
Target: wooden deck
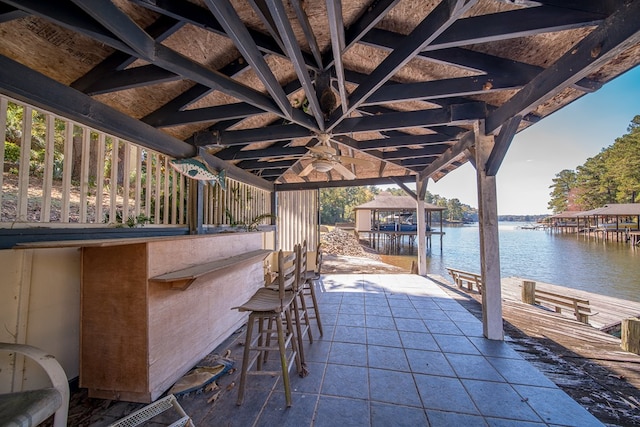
584, 361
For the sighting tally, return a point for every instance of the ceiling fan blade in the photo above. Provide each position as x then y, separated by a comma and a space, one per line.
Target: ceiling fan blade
354, 161
322, 149
306, 171
277, 159
346, 173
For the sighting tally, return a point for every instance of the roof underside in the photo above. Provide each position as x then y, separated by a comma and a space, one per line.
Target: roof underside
250, 85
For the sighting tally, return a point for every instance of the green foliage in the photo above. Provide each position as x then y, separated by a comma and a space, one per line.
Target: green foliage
252, 225
563, 184
11, 152
131, 221
336, 204
611, 176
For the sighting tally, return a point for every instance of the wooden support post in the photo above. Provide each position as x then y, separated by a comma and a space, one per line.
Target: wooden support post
528, 292
631, 335
488, 227
421, 227
196, 206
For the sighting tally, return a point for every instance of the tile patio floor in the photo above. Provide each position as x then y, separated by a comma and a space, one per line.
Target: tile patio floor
396, 351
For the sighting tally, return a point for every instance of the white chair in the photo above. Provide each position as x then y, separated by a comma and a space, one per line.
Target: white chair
32, 407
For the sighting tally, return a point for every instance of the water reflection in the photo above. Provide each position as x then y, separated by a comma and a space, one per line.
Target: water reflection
563, 259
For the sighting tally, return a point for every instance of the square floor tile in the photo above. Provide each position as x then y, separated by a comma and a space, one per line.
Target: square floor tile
404, 311
385, 415
502, 422
348, 354
393, 387
318, 351
311, 383
418, 340
556, 407
444, 394
450, 419
413, 325
334, 411
455, 344
442, 327
346, 381
351, 309
350, 334
385, 337
380, 322
377, 310
276, 412
470, 329
517, 371
350, 319
387, 358
495, 348
473, 367
429, 362
499, 400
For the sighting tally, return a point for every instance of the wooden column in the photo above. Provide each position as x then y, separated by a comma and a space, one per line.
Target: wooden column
528, 292
421, 188
196, 206
630, 336
489, 248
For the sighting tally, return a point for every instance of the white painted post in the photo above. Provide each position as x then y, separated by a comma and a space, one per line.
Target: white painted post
420, 231
489, 248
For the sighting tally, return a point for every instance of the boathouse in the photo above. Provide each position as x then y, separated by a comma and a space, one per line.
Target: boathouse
389, 222
157, 152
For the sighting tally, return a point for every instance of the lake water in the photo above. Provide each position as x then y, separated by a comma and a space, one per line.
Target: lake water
611, 268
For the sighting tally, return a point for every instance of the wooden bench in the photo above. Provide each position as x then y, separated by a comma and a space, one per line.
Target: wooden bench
461, 278
580, 307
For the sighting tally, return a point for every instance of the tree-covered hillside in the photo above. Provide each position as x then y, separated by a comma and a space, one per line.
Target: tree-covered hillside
611, 176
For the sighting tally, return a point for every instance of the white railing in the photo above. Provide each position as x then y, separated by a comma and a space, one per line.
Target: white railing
58, 173
239, 205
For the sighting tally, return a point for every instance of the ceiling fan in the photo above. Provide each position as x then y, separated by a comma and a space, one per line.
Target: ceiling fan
325, 158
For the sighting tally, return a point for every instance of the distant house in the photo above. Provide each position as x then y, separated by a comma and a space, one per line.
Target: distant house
393, 213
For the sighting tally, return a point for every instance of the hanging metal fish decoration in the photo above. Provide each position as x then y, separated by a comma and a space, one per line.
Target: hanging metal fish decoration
197, 168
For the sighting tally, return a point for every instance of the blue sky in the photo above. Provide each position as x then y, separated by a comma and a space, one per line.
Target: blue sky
563, 140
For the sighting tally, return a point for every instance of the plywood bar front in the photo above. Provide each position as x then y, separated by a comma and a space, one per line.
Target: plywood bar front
139, 335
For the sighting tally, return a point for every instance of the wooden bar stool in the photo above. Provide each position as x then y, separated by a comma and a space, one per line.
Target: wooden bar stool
274, 308
309, 288
301, 319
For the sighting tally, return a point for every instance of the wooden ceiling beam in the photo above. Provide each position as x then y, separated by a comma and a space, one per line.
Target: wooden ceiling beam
117, 62
291, 186
403, 141
336, 28
449, 156
165, 113
34, 88
501, 145
437, 89
73, 18
263, 153
9, 13
615, 34
409, 153
498, 26
279, 15
440, 18
309, 35
453, 115
202, 17
237, 31
260, 165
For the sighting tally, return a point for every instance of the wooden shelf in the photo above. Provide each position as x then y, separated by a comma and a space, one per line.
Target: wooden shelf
183, 278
